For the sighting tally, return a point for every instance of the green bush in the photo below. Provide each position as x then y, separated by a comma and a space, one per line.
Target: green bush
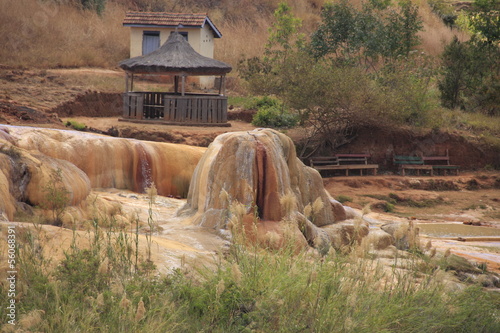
75, 125
274, 116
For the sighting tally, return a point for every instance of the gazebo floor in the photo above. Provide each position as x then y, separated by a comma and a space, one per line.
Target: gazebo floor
163, 122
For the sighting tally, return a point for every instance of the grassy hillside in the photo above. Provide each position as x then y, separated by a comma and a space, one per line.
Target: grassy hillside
58, 33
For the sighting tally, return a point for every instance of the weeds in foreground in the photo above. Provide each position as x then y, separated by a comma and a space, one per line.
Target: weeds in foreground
97, 289
57, 197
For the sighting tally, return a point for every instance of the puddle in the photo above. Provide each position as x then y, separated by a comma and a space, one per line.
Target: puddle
456, 230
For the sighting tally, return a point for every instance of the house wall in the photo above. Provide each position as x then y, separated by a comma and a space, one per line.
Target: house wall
201, 40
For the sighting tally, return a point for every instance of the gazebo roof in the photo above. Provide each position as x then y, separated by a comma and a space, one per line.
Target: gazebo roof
176, 56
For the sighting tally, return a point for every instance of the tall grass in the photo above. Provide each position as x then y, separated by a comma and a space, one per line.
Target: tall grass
435, 34
97, 289
45, 34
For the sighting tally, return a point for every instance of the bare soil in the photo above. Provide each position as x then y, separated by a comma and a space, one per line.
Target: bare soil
469, 198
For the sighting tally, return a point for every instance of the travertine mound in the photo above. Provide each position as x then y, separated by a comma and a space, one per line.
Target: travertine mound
29, 156
259, 170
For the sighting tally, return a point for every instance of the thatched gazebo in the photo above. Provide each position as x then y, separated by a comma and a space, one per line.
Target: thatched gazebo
177, 58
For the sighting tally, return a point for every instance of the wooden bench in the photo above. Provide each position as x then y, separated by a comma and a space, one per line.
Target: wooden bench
411, 163
343, 162
441, 163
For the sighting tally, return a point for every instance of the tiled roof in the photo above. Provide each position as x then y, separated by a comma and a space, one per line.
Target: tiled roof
169, 20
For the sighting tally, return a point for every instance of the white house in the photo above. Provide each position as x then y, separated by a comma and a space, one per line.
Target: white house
150, 30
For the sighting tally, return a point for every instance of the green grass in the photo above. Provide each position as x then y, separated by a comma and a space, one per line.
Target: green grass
240, 101
343, 198
75, 125
99, 289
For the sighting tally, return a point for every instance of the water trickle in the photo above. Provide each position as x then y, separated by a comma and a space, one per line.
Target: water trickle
144, 175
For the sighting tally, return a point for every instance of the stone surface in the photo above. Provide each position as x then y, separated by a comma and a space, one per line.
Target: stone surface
380, 239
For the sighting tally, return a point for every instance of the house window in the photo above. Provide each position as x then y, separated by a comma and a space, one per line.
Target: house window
150, 41
182, 33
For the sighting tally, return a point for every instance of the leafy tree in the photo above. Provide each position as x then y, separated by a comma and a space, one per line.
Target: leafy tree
484, 20
376, 31
471, 70
333, 95
401, 30
284, 34
263, 75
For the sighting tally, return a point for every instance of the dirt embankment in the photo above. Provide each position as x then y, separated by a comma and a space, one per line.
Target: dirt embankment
91, 104
383, 143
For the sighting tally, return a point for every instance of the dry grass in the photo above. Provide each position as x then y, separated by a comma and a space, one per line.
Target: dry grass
42, 34
435, 34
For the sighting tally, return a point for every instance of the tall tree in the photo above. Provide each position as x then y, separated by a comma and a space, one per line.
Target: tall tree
471, 70
376, 31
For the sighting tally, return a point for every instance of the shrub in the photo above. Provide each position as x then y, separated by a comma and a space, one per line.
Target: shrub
57, 197
75, 125
275, 117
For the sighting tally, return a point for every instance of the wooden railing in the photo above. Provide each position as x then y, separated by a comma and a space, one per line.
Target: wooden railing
168, 107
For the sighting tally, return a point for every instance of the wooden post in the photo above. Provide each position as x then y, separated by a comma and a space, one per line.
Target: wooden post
176, 83
183, 85
132, 83
126, 82
223, 85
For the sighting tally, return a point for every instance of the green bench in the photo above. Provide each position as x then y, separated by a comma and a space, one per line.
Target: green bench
411, 163
441, 163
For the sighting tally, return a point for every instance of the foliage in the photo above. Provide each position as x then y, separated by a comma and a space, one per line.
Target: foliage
57, 197
97, 5
262, 102
484, 20
407, 85
263, 75
445, 11
336, 101
271, 113
283, 34
75, 125
343, 198
366, 35
325, 85
470, 76
274, 116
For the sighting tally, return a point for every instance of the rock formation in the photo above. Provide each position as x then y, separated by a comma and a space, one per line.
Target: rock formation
250, 183
29, 156
259, 173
